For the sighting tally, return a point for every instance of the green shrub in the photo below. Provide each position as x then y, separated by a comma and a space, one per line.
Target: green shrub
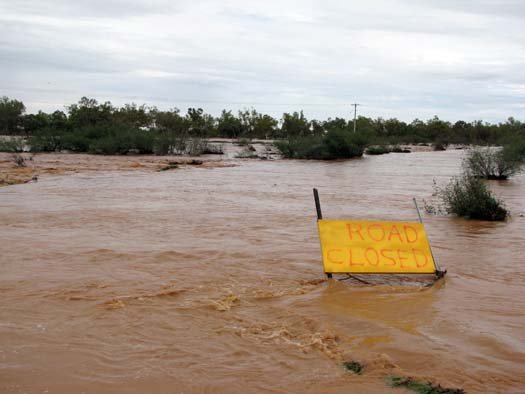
142, 141
420, 386
514, 150
301, 148
137, 141
398, 149
468, 196
13, 145
378, 150
76, 142
340, 144
491, 163
353, 366
336, 144
45, 140
109, 145
383, 149
164, 144
169, 144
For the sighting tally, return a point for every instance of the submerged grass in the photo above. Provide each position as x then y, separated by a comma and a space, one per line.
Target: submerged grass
420, 386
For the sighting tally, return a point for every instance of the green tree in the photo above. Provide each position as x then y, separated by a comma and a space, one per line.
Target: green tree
462, 132
88, 112
171, 121
480, 132
394, 127
257, 125
200, 123
317, 128
335, 124
418, 131
295, 125
58, 121
34, 122
133, 115
368, 126
438, 131
11, 116
229, 126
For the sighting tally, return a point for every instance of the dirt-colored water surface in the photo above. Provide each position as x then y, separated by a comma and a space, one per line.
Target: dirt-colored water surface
116, 278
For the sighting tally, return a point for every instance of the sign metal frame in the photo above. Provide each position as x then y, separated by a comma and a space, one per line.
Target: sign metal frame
438, 271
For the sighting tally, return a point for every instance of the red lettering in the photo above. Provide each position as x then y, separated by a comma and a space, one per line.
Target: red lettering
415, 252
331, 259
401, 258
384, 254
407, 234
376, 237
356, 231
395, 233
376, 256
350, 259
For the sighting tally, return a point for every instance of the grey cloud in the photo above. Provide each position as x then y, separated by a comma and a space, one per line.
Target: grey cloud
92, 8
500, 8
400, 58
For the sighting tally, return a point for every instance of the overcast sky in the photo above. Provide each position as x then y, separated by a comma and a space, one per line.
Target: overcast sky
406, 58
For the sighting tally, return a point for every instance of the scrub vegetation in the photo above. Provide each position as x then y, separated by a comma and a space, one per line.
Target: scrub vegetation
335, 144
102, 128
353, 366
420, 386
469, 197
498, 164
384, 149
18, 160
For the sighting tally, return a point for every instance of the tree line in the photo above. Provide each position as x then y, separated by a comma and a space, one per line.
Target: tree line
96, 120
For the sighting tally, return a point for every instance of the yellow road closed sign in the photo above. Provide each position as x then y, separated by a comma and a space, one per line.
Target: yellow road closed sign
375, 247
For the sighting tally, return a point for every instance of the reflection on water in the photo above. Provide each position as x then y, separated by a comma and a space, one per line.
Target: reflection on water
210, 280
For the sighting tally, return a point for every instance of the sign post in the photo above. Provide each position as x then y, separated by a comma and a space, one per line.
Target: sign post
320, 217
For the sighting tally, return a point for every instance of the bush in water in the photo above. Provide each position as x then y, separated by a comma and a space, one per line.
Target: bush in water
336, 144
468, 196
491, 163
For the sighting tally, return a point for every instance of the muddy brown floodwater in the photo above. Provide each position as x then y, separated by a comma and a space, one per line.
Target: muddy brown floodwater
126, 280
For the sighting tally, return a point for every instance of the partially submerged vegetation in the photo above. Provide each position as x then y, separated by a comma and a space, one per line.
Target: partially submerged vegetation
408, 383
421, 386
14, 145
335, 144
469, 197
496, 164
112, 140
18, 160
384, 149
353, 366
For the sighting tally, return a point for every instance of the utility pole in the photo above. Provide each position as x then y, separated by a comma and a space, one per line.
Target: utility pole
355, 115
